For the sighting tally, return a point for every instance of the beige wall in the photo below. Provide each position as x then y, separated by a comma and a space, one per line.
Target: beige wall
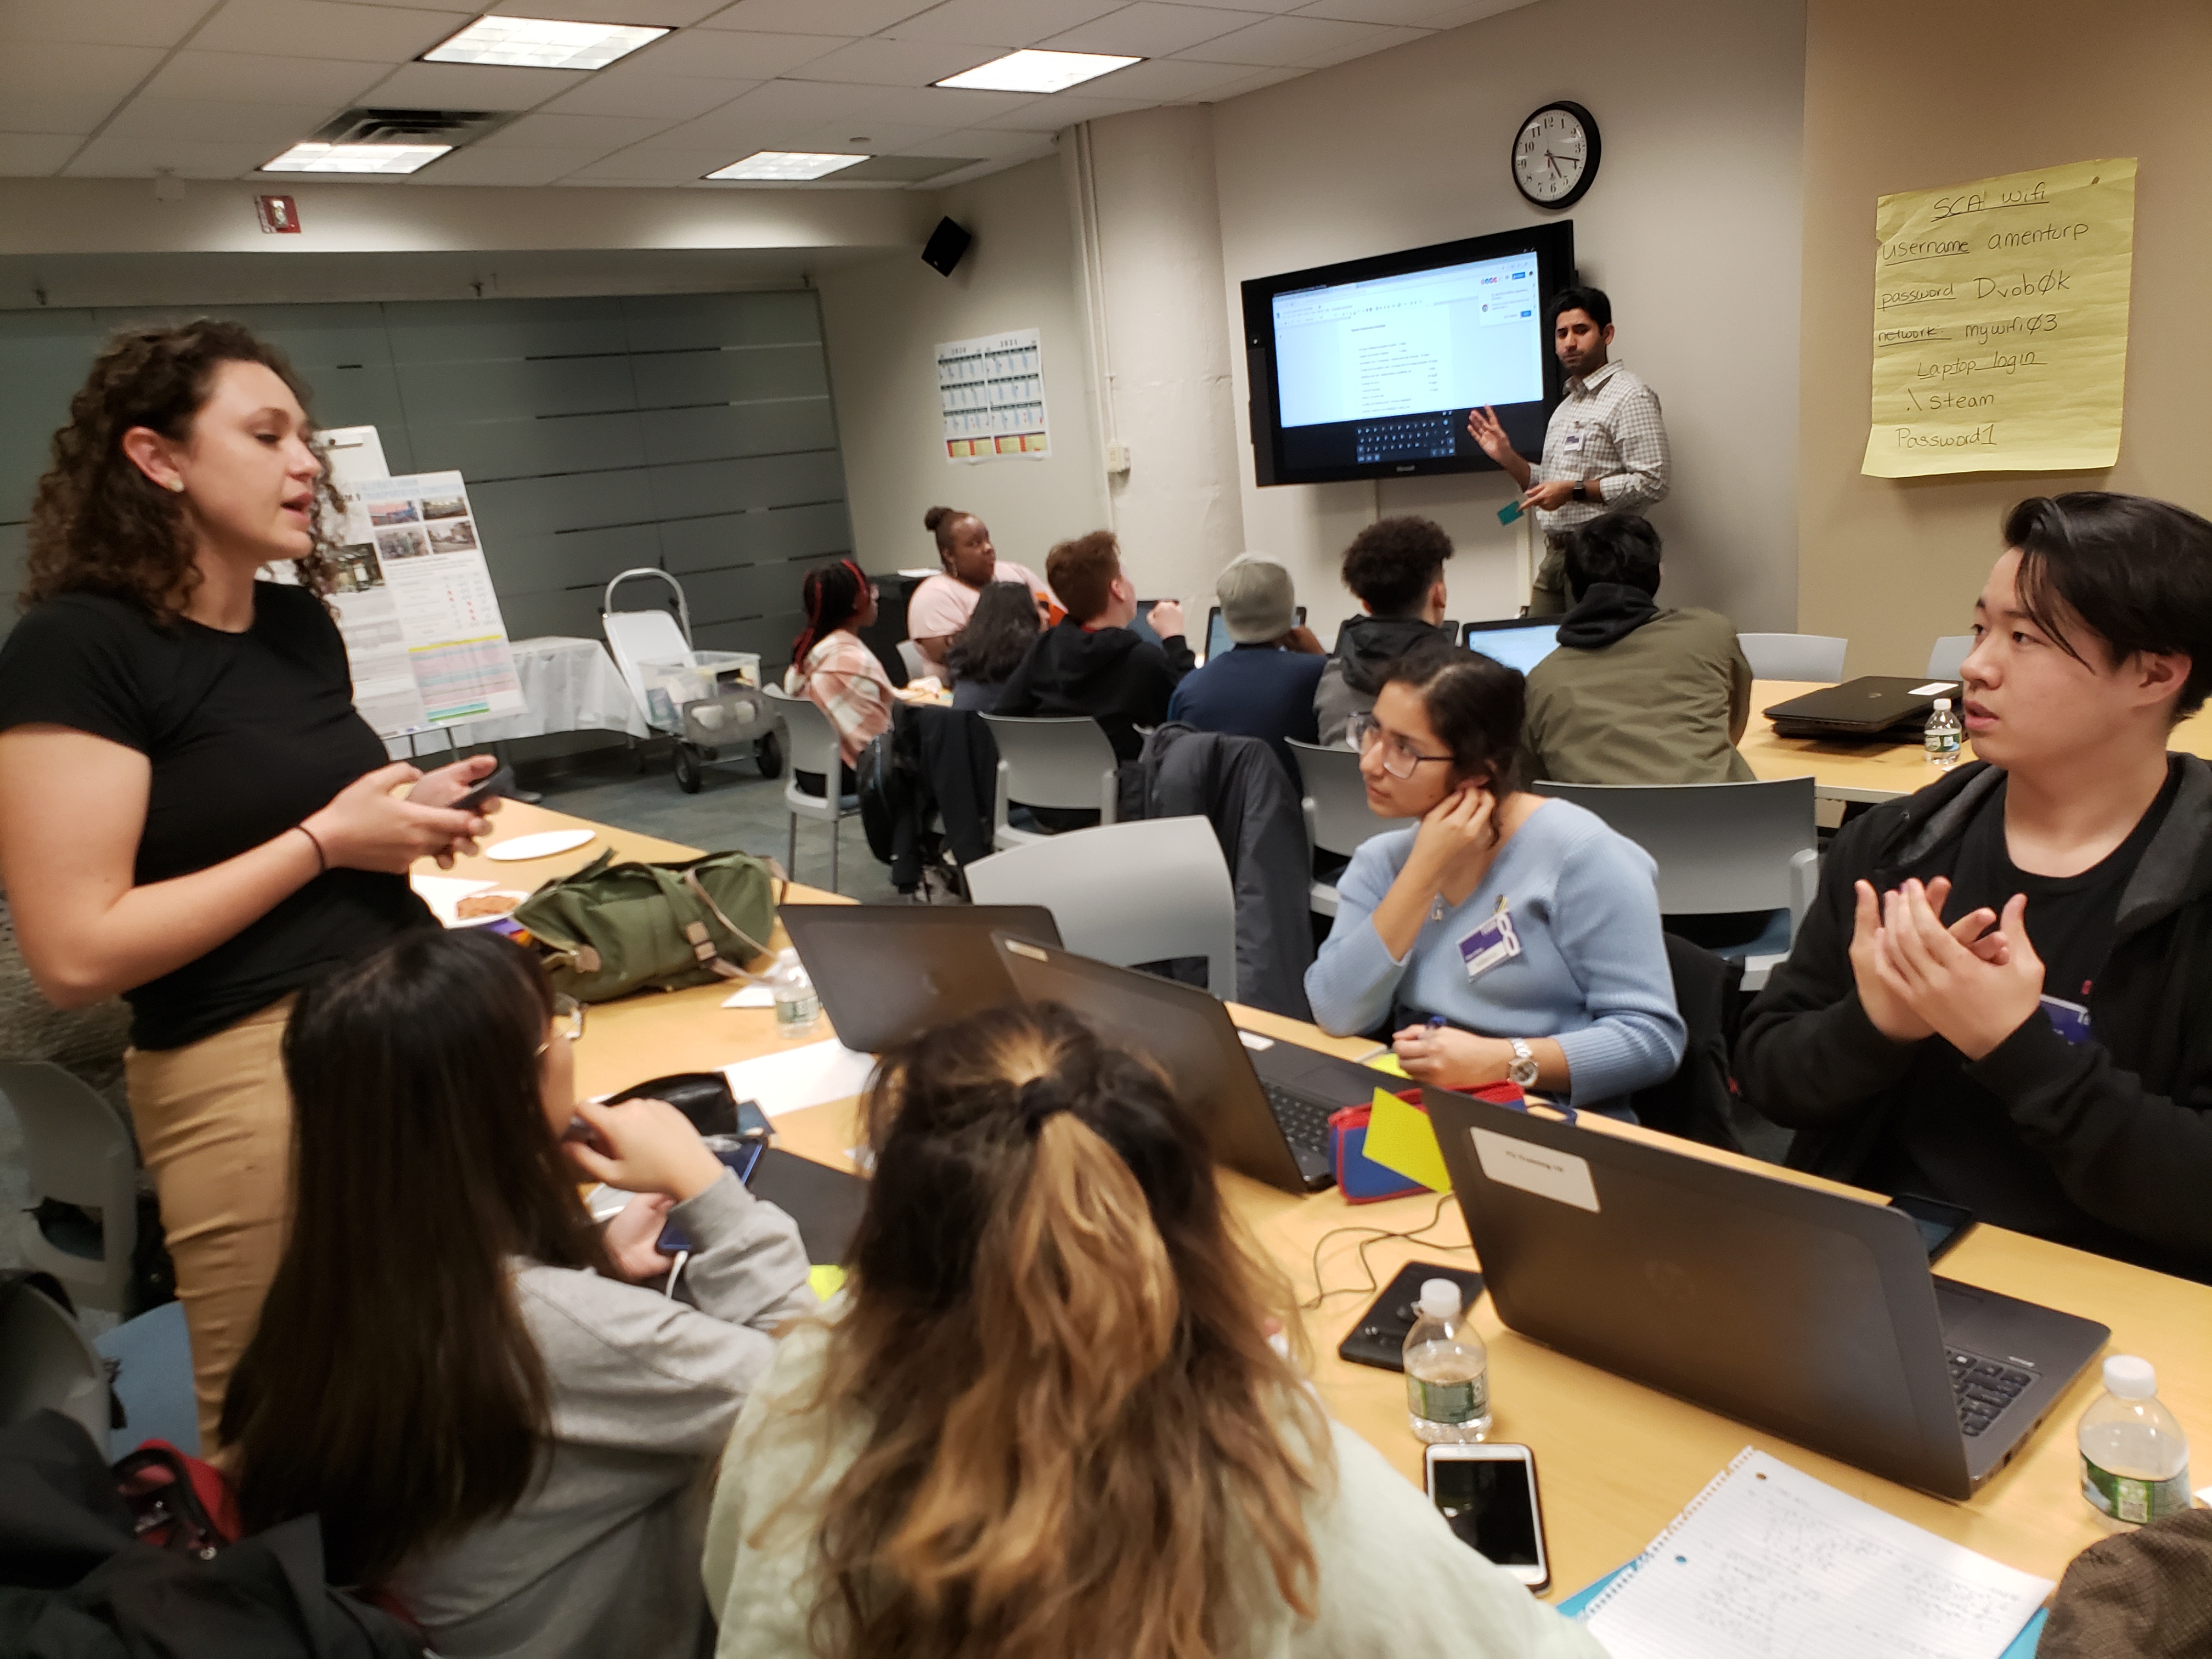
1693, 227
880, 322
1901, 94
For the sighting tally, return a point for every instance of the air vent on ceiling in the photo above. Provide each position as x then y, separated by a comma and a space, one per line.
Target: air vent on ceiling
412, 126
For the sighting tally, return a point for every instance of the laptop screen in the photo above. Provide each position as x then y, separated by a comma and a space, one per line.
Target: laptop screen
1519, 644
1217, 632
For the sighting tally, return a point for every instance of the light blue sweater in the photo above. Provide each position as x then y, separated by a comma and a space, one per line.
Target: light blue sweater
1592, 972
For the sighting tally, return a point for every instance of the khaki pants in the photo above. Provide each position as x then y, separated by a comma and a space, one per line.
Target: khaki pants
1548, 593
215, 1124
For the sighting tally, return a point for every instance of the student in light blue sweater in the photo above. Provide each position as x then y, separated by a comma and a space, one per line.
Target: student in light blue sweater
1524, 924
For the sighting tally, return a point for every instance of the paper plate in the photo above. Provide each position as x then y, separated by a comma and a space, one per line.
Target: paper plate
541, 845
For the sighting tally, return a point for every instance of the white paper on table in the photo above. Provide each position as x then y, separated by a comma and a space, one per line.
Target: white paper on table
751, 996
443, 893
813, 1075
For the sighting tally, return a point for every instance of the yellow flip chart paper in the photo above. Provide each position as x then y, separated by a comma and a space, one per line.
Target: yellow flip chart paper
2000, 323
826, 1280
1399, 1136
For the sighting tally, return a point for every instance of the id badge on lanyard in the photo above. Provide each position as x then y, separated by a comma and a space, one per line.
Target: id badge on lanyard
1494, 942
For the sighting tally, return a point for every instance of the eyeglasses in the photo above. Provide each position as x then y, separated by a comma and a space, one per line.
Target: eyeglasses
568, 1022
1400, 759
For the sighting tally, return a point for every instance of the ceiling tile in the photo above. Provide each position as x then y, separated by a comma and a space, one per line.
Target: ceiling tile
1252, 82
1005, 23
897, 63
781, 103
866, 136
477, 165
1064, 109
599, 134
653, 13
990, 143
252, 78
324, 28
941, 109
42, 70
1159, 79
270, 127
101, 22
34, 155
470, 86
622, 91
746, 56
1278, 42
1152, 29
649, 166
854, 17
1426, 14
116, 155
1376, 38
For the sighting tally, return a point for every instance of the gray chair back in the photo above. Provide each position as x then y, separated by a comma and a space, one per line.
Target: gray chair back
1055, 761
1124, 893
1946, 656
76, 1148
1794, 656
1338, 818
810, 741
1719, 847
46, 1364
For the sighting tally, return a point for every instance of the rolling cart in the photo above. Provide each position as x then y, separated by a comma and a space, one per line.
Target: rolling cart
708, 700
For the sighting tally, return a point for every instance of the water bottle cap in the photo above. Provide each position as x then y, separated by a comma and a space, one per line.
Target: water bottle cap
1439, 1299
1943, 702
2130, 1378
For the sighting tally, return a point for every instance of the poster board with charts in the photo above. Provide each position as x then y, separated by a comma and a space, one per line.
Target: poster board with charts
991, 392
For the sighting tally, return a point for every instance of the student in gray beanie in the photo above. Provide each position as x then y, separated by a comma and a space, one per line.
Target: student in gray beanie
1263, 685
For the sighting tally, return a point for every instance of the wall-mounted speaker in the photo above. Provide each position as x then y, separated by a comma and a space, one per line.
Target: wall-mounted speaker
946, 244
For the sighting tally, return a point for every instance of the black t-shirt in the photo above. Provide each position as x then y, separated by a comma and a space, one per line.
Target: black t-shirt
248, 734
1949, 1138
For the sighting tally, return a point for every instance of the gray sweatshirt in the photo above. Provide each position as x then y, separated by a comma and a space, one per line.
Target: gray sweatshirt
602, 1555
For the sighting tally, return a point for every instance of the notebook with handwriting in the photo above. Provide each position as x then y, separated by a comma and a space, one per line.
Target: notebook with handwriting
1767, 1562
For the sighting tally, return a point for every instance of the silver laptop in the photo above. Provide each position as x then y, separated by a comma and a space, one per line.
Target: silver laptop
1794, 1309
1519, 642
887, 972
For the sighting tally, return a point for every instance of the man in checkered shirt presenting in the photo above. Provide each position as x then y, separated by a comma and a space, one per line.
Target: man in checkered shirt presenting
1605, 449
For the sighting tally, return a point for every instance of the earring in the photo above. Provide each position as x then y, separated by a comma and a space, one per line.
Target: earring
177, 486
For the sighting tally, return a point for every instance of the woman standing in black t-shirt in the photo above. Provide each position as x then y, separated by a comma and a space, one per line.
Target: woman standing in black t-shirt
191, 812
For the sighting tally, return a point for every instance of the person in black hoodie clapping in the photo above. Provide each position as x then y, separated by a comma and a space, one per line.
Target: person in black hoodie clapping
1093, 663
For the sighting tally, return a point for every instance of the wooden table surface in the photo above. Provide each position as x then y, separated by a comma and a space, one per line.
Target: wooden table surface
1616, 1461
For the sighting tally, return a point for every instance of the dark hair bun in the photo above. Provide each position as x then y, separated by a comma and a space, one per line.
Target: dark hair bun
936, 516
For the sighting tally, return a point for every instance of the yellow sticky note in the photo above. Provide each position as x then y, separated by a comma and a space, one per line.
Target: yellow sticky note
826, 1281
1401, 1138
1387, 1061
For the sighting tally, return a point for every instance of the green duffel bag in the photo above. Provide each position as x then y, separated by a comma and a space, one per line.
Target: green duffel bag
614, 928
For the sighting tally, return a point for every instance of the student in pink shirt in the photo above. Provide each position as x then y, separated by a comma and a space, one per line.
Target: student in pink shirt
831, 665
940, 607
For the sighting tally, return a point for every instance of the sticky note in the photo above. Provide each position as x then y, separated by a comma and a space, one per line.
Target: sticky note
1400, 1137
1387, 1061
825, 1280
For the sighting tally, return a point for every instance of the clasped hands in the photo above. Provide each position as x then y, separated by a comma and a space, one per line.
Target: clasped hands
1973, 983
1451, 1058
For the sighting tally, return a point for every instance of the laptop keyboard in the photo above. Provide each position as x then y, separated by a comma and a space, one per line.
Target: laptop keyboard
1982, 1389
1306, 1121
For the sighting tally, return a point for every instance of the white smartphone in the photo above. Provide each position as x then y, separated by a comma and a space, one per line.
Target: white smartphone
1487, 1493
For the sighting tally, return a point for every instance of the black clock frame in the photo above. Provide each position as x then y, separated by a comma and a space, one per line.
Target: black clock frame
1589, 167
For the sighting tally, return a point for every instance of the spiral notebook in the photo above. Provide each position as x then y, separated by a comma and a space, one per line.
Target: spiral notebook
1767, 1562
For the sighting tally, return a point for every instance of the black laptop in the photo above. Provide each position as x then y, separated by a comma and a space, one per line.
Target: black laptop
886, 972
1791, 1308
1263, 1103
1876, 705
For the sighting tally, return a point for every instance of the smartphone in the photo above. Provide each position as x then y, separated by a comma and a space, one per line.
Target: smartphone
1508, 512
500, 786
1379, 1338
1940, 1224
740, 1158
1488, 1494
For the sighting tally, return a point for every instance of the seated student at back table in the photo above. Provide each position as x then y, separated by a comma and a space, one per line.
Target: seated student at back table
1504, 936
833, 668
984, 654
1264, 686
1635, 694
495, 1409
1998, 998
1046, 1421
1395, 568
942, 605
1093, 663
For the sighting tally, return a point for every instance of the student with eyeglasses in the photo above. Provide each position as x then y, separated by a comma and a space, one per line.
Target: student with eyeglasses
1506, 936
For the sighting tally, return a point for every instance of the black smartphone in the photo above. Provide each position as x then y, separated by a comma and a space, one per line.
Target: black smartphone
1940, 1224
740, 1158
1487, 1493
1379, 1337
500, 786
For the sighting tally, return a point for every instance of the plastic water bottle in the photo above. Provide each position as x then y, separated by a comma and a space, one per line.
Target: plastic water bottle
798, 1005
1447, 1368
1941, 735
2134, 1458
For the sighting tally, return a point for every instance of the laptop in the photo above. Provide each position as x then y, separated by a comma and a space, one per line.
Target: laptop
886, 972
1791, 1308
1217, 632
1262, 1103
1518, 642
1864, 707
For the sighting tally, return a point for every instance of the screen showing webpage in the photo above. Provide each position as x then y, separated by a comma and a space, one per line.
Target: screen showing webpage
1459, 337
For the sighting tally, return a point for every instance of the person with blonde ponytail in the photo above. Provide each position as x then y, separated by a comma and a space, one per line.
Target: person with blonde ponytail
1045, 1420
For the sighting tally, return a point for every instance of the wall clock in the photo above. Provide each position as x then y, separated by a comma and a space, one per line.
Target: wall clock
1555, 155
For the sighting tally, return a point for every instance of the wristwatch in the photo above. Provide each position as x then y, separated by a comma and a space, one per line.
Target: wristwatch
1522, 1073
1582, 494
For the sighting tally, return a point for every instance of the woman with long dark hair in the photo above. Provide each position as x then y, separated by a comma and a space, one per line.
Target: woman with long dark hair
1526, 923
1047, 1422
193, 814
452, 1368
832, 666
1000, 633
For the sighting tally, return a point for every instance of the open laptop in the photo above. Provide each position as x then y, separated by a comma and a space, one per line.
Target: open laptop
886, 972
1519, 642
1791, 1308
1864, 708
1263, 1103
1217, 632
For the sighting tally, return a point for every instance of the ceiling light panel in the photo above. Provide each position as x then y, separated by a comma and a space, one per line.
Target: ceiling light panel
542, 43
1032, 71
356, 158
786, 164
